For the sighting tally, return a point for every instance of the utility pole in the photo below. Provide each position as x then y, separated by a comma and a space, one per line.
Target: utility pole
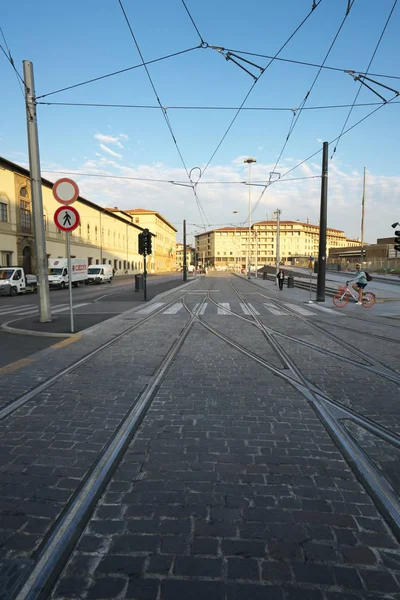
249, 161
278, 241
362, 218
36, 191
322, 227
184, 251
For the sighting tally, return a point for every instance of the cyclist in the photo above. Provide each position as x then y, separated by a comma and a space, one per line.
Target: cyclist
360, 282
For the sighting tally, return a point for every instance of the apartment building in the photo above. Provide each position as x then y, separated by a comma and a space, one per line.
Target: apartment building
190, 255
228, 247
163, 257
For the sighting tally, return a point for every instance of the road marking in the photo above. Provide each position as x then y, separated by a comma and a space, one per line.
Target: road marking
328, 310
151, 308
203, 308
299, 309
223, 308
272, 308
172, 310
67, 341
255, 312
64, 307
18, 364
22, 307
245, 309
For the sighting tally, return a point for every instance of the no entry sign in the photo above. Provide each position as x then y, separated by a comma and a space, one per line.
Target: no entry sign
65, 191
66, 218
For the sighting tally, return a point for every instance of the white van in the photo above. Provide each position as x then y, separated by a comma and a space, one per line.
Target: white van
100, 274
58, 272
13, 281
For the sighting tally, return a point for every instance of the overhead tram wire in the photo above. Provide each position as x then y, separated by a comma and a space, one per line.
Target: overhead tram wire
149, 62
297, 112
10, 59
248, 108
365, 73
255, 82
163, 111
203, 43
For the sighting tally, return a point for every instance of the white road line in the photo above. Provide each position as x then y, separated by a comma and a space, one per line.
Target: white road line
299, 309
64, 307
203, 308
4, 311
196, 306
245, 309
328, 310
151, 308
223, 308
172, 310
273, 309
255, 312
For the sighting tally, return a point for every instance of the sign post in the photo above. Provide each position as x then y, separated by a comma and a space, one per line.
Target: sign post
66, 191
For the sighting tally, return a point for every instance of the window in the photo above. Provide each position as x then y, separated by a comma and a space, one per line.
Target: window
45, 222
25, 216
3, 211
88, 232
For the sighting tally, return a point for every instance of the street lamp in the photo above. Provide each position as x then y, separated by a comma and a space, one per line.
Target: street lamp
235, 212
249, 161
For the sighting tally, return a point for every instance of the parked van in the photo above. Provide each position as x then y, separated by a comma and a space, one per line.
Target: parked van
58, 272
13, 281
100, 274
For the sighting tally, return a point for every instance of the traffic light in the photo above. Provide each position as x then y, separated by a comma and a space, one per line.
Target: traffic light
141, 243
147, 241
397, 240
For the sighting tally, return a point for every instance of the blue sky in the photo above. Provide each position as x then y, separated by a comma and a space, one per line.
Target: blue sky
73, 42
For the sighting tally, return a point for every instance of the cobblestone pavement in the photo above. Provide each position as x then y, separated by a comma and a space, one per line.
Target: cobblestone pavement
231, 489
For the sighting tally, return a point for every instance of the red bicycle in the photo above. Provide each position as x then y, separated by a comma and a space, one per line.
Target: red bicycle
341, 298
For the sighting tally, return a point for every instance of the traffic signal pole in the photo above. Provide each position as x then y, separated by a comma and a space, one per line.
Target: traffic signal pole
144, 277
322, 227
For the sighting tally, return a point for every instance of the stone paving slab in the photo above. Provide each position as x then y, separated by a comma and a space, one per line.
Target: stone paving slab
232, 492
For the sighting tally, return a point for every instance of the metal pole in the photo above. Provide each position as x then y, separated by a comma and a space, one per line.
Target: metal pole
101, 241
36, 191
144, 277
256, 240
362, 218
322, 227
249, 161
184, 252
71, 307
278, 241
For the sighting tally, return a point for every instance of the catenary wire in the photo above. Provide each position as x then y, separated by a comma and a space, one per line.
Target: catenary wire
244, 108
308, 64
10, 59
194, 24
254, 83
297, 113
164, 112
369, 64
149, 62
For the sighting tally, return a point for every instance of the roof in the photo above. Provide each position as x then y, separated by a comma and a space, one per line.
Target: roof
49, 184
148, 211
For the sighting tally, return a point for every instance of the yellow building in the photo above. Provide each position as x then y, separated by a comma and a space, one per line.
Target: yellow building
228, 247
102, 236
163, 257
190, 255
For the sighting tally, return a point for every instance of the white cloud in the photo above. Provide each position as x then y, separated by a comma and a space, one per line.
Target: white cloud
105, 149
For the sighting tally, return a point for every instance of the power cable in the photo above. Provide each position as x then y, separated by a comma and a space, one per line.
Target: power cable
164, 111
366, 72
255, 82
297, 112
194, 24
305, 63
11, 61
70, 87
255, 108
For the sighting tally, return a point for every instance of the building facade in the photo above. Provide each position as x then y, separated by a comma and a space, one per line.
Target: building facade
229, 247
163, 257
190, 255
103, 235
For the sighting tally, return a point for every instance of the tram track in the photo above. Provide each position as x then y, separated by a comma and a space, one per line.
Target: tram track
333, 415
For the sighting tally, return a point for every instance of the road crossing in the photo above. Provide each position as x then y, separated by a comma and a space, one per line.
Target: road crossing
225, 309
26, 310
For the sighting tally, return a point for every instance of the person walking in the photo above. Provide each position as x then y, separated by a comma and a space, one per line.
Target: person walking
281, 278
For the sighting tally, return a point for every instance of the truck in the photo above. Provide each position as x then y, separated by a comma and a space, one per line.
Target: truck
100, 274
13, 281
58, 272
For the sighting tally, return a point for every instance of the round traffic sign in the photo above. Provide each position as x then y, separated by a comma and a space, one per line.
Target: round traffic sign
65, 190
66, 218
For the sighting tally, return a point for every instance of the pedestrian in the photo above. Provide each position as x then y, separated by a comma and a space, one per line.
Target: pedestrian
281, 278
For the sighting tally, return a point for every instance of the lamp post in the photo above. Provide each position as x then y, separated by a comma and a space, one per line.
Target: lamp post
249, 161
235, 212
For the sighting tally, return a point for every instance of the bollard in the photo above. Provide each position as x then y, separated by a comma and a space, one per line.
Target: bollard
138, 283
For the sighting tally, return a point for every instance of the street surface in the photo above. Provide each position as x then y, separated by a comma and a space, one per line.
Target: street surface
226, 441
